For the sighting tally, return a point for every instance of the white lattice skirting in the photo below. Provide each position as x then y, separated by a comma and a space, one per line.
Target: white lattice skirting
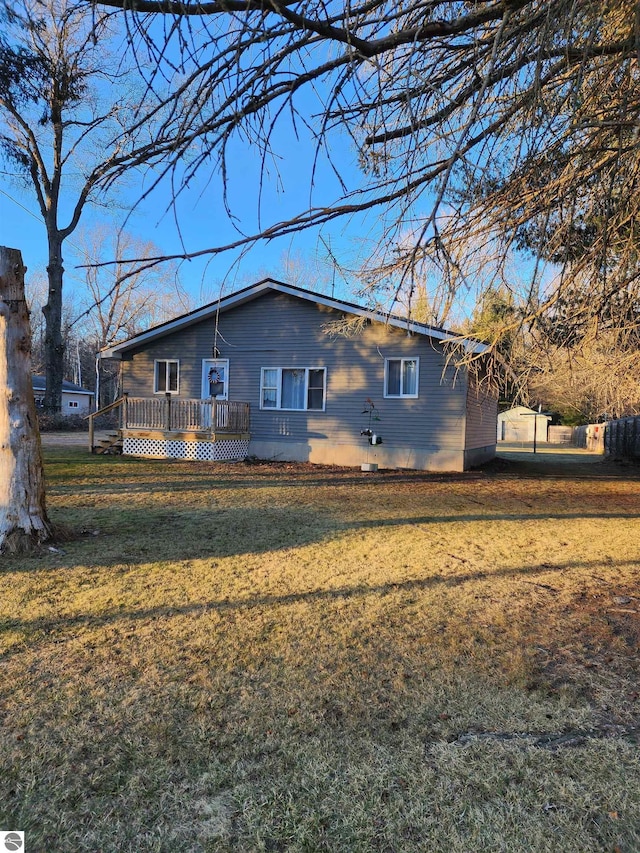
210, 451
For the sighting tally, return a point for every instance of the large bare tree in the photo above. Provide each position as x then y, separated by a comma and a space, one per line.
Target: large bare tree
120, 300
475, 123
23, 514
68, 106
593, 381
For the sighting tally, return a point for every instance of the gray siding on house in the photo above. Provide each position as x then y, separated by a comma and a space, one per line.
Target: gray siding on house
480, 432
278, 330
482, 411
189, 346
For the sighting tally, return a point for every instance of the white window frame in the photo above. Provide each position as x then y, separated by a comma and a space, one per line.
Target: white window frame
401, 395
73, 404
166, 362
278, 407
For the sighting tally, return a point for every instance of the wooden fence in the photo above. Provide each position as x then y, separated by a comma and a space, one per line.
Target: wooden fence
617, 438
590, 437
622, 437
560, 435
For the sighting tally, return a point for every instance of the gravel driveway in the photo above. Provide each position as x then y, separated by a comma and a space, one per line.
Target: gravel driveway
69, 439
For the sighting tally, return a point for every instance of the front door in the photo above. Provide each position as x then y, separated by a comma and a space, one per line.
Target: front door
215, 378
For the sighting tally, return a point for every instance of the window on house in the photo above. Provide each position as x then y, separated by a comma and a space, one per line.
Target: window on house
401, 377
293, 388
73, 404
166, 377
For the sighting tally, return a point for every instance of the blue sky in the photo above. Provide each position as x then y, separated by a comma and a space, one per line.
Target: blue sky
203, 222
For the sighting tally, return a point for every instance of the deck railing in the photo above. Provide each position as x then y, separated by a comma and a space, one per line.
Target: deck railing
175, 414
118, 406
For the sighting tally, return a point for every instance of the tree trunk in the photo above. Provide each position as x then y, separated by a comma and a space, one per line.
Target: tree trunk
53, 343
23, 516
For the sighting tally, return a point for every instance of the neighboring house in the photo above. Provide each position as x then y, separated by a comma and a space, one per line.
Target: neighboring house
272, 350
75, 400
522, 424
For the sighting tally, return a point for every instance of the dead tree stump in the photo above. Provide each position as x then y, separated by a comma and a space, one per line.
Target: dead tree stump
23, 516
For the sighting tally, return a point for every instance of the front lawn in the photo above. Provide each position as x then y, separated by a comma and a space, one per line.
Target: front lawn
290, 658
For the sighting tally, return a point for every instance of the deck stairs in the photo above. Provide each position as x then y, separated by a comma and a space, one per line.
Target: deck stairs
109, 443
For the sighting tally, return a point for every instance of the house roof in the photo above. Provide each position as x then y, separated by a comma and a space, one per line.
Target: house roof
225, 303
39, 383
522, 411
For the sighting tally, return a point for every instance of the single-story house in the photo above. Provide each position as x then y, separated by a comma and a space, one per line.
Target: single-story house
75, 400
270, 372
522, 424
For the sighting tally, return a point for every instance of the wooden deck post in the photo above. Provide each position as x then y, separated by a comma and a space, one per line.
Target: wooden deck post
168, 415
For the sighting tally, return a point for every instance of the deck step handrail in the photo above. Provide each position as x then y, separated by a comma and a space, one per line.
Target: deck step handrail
120, 402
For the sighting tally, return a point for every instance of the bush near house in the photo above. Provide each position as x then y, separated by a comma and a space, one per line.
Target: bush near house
61, 423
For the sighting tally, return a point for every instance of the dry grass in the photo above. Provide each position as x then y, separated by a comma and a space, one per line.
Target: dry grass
287, 658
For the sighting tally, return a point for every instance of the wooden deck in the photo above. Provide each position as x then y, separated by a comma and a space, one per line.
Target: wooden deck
175, 415
154, 424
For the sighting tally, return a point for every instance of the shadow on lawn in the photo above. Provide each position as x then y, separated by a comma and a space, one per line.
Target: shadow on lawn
126, 536
116, 536
157, 475
49, 625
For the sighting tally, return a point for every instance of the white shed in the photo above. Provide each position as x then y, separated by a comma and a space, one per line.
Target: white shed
75, 400
521, 423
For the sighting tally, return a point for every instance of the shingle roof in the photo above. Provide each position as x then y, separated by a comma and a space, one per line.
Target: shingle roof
40, 384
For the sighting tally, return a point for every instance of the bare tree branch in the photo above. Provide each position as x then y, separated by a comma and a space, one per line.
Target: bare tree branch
483, 130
